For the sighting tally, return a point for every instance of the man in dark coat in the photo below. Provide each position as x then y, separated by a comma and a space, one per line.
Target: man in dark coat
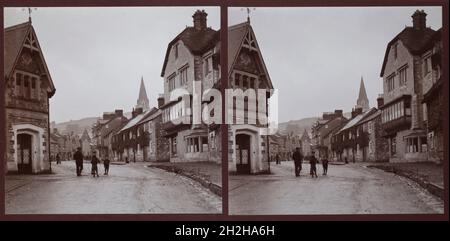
78, 156
277, 159
298, 157
58, 159
324, 165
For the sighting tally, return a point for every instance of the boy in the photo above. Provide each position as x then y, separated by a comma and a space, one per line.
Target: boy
94, 162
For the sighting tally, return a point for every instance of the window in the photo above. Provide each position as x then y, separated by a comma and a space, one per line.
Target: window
412, 145
393, 142
18, 84
33, 83
207, 65
173, 142
192, 144
394, 112
204, 144
402, 75
175, 50
390, 82
171, 82
183, 76
426, 65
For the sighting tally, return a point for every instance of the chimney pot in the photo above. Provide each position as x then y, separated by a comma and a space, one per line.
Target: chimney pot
419, 20
200, 19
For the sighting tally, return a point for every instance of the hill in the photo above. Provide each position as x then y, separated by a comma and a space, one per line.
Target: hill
297, 126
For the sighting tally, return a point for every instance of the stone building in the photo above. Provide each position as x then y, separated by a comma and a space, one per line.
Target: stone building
28, 88
191, 62
128, 141
102, 132
433, 97
403, 71
156, 146
248, 141
322, 128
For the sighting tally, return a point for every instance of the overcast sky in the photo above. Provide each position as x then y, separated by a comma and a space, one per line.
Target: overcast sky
96, 56
316, 56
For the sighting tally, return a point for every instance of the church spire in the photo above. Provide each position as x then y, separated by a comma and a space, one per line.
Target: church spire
363, 101
142, 101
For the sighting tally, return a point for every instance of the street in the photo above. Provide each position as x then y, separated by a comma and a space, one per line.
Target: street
347, 189
132, 188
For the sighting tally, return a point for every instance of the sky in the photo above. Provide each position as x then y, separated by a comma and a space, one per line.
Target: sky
96, 56
316, 56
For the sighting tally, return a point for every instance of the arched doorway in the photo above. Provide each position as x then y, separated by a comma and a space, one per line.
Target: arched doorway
243, 154
24, 154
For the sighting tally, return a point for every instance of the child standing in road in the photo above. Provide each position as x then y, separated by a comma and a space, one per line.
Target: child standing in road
94, 162
106, 165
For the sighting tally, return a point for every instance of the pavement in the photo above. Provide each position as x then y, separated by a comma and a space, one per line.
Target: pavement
132, 188
209, 174
429, 175
347, 189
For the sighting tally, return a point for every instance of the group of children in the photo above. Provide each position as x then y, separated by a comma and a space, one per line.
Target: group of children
313, 162
95, 161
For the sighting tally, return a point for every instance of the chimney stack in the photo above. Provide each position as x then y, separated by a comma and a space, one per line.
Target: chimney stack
419, 20
160, 100
200, 19
380, 101
119, 113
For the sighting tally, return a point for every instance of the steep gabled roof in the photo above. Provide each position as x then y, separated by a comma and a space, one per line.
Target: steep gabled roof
14, 39
134, 121
236, 35
358, 119
412, 39
197, 41
152, 114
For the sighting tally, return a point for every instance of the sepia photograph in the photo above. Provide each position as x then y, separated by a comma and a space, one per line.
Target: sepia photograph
225, 111
90, 113
359, 122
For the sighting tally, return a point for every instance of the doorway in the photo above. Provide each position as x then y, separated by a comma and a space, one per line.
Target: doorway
24, 154
243, 154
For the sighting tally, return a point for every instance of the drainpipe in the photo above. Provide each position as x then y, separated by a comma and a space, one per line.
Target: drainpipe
48, 134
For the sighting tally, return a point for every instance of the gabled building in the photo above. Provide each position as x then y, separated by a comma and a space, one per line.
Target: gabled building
102, 129
322, 128
403, 71
128, 142
351, 141
191, 57
306, 143
248, 141
85, 144
28, 88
